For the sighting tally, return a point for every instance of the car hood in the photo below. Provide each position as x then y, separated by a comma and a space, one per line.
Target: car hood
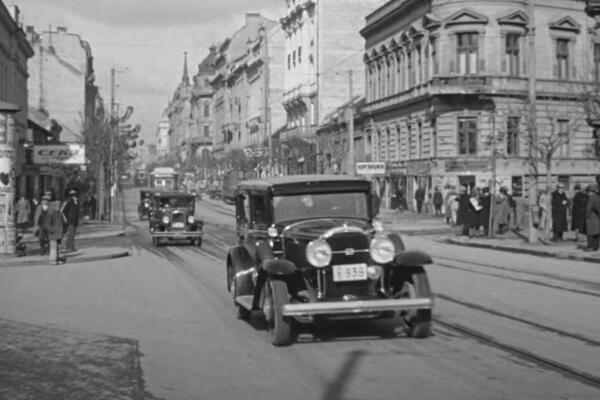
312, 229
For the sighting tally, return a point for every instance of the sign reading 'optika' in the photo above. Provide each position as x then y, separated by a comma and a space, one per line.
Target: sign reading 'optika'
370, 168
67, 153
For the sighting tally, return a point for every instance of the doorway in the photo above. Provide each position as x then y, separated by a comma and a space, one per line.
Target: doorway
467, 181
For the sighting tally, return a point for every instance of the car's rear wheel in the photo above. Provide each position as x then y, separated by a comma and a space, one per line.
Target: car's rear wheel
417, 323
282, 329
198, 242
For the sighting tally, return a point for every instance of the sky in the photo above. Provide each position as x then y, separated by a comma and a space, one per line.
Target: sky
144, 41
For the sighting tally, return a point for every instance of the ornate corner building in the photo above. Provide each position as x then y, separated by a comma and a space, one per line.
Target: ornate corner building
447, 86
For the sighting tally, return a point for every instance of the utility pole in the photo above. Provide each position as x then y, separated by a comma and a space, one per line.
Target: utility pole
350, 167
267, 110
533, 234
493, 185
112, 142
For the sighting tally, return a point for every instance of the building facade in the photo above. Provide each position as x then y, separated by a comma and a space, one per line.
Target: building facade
163, 142
248, 86
61, 80
447, 93
323, 60
178, 113
14, 53
200, 145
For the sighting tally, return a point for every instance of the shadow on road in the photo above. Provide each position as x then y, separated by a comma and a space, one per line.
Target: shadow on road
335, 388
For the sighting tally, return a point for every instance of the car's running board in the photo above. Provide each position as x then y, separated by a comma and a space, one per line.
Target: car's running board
245, 301
356, 306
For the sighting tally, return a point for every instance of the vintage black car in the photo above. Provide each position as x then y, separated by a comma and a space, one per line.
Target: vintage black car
310, 249
145, 204
172, 218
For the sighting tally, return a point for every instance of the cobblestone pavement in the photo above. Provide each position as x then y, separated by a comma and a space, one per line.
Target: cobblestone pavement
41, 362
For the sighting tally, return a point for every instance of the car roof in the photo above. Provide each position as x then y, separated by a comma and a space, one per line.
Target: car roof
171, 194
291, 184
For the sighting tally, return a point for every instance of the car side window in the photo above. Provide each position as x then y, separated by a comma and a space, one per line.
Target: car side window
241, 214
258, 214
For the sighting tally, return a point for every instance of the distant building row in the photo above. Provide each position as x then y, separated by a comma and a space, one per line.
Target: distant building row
438, 89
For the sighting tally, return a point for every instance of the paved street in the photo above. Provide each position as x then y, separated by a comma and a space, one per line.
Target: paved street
172, 301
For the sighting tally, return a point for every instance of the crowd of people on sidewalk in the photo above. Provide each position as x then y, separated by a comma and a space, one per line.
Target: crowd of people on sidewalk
478, 211
53, 220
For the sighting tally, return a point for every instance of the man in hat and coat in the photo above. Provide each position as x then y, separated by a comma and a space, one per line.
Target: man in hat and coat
592, 219
70, 211
559, 205
51, 226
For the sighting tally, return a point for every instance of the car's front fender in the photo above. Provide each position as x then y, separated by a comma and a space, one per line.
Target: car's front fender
411, 258
278, 267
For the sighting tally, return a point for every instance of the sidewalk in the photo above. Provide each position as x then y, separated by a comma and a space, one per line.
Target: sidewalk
511, 242
410, 223
89, 248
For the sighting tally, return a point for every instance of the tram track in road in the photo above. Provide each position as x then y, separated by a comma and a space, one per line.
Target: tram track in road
541, 327
523, 280
581, 282
544, 362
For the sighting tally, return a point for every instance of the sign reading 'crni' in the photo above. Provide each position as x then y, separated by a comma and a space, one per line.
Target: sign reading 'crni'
370, 168
68, 153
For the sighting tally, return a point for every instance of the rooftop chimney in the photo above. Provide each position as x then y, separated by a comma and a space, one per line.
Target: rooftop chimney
15, 14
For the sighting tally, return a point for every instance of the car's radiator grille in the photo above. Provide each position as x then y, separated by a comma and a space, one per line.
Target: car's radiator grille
177, 217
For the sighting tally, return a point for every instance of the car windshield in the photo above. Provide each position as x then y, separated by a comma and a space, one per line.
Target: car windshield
286, 208
174, 202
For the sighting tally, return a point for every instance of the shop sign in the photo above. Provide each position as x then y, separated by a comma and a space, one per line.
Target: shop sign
419, 168
68, 153
370, 168
467, 165
398, 167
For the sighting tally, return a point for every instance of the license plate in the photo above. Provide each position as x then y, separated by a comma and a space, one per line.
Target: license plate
349, 272
178, 225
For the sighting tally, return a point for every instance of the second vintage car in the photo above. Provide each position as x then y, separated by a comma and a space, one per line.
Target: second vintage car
310, 247
172, 218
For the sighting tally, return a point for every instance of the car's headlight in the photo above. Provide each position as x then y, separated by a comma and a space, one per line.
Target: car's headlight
318, 253
191, 219
382, 249
165, 219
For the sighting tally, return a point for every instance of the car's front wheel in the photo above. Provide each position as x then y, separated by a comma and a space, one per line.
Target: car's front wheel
282, 329
417, 323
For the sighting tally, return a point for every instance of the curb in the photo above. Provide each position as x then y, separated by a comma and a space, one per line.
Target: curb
100, 257
520, 250
85, 236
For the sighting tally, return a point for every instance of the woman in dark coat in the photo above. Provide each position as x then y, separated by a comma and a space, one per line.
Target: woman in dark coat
559, 207
462, 214
593, 219
484, 214
578, 211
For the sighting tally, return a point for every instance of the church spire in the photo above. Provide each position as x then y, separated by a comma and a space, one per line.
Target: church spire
185, 78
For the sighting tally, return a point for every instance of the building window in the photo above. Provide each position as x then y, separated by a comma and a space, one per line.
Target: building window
466, 51
409, 140
294, 58
434, 56
562, 58
467, 135
596, 144
512, 136
299, 55
420, 139
289, 61
206, 110
512, 53
206, 130
597, 61
419, 70
410, 69
434, 138
563, 137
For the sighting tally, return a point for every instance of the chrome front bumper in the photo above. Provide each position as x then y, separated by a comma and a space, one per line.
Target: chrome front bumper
356, 306
178, 234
